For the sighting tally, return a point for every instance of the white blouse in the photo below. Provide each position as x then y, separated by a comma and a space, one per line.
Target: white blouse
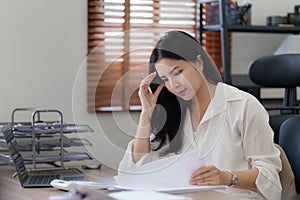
234, 133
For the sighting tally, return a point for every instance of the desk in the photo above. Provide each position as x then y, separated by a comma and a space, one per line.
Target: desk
10, 188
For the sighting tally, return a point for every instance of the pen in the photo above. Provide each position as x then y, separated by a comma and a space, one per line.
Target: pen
75, 194
233, 3
149, 89
86, 193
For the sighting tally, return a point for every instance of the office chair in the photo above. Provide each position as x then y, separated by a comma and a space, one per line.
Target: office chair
279, 71
289, 140
287, 177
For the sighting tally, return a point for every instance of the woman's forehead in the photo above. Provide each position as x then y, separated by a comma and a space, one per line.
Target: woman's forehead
167, 64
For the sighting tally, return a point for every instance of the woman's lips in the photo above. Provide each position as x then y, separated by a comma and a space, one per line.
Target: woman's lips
181, 93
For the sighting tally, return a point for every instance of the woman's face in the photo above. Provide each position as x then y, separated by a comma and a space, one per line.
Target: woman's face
180, 77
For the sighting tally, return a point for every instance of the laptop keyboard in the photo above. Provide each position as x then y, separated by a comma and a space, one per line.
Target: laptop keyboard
43, 179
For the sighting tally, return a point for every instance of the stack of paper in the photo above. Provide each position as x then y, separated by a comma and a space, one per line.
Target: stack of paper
170, 174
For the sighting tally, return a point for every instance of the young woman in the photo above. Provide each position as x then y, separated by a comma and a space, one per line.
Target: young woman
190, 108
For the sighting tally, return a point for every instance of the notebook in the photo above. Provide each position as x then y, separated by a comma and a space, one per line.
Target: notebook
38, 178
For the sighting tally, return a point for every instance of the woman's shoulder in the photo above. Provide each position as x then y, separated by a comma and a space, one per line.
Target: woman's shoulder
232, 91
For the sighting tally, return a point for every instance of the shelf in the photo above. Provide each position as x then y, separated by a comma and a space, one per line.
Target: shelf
225, 28
44, 141
264, 29
69, 156
52, 129
25, 144
255, 29
208, 1
211, 28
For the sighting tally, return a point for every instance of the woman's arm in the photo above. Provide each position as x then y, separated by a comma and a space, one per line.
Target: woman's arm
260, 150
211, 175
141, 143
247, 179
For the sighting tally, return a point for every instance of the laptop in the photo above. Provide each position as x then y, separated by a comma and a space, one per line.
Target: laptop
37, 178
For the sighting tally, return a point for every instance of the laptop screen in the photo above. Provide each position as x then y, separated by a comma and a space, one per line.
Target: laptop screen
15, 153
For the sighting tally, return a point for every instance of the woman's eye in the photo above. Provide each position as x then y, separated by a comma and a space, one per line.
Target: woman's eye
165, 80
178, 72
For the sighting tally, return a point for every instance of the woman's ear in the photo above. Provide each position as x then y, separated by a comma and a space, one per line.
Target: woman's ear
200, 63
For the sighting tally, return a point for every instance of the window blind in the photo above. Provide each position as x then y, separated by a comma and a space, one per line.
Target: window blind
121, 36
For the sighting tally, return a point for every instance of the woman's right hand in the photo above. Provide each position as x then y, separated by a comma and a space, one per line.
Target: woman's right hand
141, 144
148, 100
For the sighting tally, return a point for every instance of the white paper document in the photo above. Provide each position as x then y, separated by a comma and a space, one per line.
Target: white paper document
170, 174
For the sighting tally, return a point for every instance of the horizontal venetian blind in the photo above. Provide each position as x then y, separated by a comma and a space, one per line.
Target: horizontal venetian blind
121, 36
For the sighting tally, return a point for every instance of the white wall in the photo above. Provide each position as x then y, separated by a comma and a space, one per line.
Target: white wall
249, 46
42, 52
42, 45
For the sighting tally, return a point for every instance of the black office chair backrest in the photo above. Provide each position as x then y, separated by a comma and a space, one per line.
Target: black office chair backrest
276, 121
279, 71
276, 71
289, 140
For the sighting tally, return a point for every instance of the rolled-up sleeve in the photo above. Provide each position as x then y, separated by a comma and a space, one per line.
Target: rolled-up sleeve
260, 149
127, 163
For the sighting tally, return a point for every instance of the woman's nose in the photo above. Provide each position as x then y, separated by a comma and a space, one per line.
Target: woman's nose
174, 83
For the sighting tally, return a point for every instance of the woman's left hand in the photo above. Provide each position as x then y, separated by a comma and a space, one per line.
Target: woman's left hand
210, 175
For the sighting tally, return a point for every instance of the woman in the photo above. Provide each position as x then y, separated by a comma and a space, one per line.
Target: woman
190, 108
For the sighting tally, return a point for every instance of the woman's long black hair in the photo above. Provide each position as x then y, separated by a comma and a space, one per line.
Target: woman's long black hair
170, 111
